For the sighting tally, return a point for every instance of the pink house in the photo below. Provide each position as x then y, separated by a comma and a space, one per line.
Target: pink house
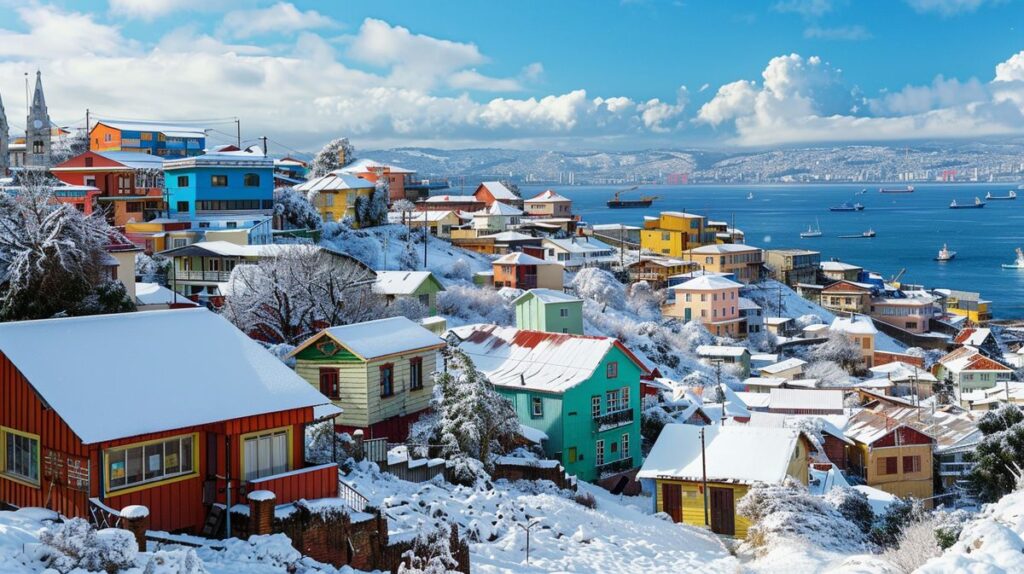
711, 299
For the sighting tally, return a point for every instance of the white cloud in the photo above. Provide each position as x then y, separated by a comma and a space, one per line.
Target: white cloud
147, 9
856, 32
942, 93
282, 17
1012, 70
473, 80
945, 7
53, 33
806, 8
533, 71
655, 113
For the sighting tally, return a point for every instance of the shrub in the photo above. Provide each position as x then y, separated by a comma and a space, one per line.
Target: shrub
585, 499
75, 544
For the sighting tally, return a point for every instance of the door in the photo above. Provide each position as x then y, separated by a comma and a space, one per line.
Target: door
723, 511
672, 501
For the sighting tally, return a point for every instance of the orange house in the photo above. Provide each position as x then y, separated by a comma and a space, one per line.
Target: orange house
521, 271
397, 177
129, 183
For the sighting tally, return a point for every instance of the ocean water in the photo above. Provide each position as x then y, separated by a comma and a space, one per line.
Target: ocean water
911, 228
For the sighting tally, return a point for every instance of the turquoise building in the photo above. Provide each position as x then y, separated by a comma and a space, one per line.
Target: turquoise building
221, 180
549, 310
582, 392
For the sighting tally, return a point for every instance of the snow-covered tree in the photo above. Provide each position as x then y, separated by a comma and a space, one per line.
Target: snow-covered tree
898, 516
76, 546
601, 287
69, 146
837, 349
431, 554
53, 258
289, 297
296, 209
151, 268
1000, 453
377, 210
405, 208
409, 260
917, 545
473, 418
474, 305
944, 390
853, 505
335, 155
324, 444
828, 373
644, 301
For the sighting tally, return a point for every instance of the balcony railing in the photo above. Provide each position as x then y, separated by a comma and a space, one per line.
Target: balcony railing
955, 468
214, 276
613, 419
615, 466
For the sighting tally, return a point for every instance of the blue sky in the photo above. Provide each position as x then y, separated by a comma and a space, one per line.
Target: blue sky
572, 74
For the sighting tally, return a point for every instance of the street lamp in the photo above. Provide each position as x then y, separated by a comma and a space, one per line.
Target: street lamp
529, 525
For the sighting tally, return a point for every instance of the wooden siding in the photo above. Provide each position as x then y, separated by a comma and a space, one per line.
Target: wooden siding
693, 502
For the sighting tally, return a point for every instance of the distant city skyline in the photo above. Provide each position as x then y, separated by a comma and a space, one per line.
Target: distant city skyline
633, 74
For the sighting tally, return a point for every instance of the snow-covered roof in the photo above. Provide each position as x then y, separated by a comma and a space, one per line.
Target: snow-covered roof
134, 159
729, 452
899, 371
783, 366
547, 197
754, 400
401, 282
218, 373
549, 296
420, 216
970, 359
510, 236
520, 258
501, 209
251, 157
720, 351
950, 426
533, 435
764, 382
664, 262
854, 325
228, 249
380, 338
806, 399
830, 424
878, 500
535, 360
369, 165
747, 304
723, 248
169, 129
334, 181
777, 320
868, 426
708, 283
573, 245
838, 266
972, 336
614, 227
452, 199
156, 294
499, 191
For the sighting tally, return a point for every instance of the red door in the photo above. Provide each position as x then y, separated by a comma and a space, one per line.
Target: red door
723, 511
672, 501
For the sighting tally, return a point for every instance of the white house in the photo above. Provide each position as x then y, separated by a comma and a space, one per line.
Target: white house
496, 218
577, 252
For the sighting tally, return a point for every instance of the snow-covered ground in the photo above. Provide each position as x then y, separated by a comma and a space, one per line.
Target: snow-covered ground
617, 537
992, 543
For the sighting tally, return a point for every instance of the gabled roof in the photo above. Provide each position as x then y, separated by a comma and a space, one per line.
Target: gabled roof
972, 336
899, 371
838, 266
807, 399
855, 325
375, 339
334, 181
520, 258
499, 208
536, 360
708, 283
720, 351
579, 246
723, 248
729, 453
134, 159
548, 296
403, 282
499, 191
949, 426
868, 427
218, 373
547, 197
971, 359
367, 165
452, 199
511, 236
830, 424
783, 366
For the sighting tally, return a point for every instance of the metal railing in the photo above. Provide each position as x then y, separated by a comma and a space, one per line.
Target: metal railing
102, 516
217, 276
955, 468
615, 466
352, 497
614, 419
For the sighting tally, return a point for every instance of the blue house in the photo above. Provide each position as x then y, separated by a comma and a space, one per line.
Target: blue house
225, 179
164, 140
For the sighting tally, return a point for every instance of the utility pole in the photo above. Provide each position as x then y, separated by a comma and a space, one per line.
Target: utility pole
704, 471
238, 133
264, 138
426, 238
87, 121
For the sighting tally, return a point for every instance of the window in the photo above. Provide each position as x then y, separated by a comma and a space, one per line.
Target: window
424, 300
595, 406
146, 136
37, 147
611, 371
20, 455
911, 464
599, 455
329, 383
625, 445
536, 407
88, 162
124, 184
250, 180
887, 465
665, 236
182, 181
387, 380
231, 225
183, 206
149, 462
563, 312
866, 343
416, 373
133, 206
265, 454
613, 401
572, 454
219, 180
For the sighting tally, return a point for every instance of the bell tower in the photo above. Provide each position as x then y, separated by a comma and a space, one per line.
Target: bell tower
38, 133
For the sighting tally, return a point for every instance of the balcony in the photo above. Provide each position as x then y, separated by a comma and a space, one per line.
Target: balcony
614, 467
956, 469
613, 420
211, 276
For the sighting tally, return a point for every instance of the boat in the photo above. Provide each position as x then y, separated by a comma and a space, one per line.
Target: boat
616, 203
846, 206
978, 204
862, 192
908, 189
750, 195
870, 233
945, 254
812, 231
1018, 264
1010, 195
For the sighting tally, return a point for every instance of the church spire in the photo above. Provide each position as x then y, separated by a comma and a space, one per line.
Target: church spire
38, 134
38, 101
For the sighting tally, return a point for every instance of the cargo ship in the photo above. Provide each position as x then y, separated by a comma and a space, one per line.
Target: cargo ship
978, 204
846, 206
617, 203
1011, 195
908, 189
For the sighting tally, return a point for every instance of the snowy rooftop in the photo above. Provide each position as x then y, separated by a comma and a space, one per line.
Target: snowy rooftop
730, 451
251, 157
510, 236
499, 191
830, 424
400, 282
838, 266
169, 129
708, 283
899, 372
579, 246
551, 362
748, 304
134, 159
855, 325
970, 359
218, 373
501, 209
228, 249
334, 181
520, 258
156, 294
764, 382
867, 426
419, 216
720, 351
817, 399
723, 248
973, 337
949, 426
547, 197
380, 338
452, 199
549, 296
783, 366
368, 165
663, 261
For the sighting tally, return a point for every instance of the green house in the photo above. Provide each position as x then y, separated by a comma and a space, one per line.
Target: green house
549, 310
419, 285
582, 392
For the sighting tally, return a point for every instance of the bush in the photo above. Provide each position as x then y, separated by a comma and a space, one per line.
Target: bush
75, 544
853, 505
585, 499
917, 545
466, 471
900, 514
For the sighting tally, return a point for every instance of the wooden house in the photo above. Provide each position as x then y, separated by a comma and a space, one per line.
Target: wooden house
548, 204
130, 184
675, 469
890, 455
335, 194
657, 270
94, 420
490, 192
421, 286
378, 372
970, 370
522, 271
550, 311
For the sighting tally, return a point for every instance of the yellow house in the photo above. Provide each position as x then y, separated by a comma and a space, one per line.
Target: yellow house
673, 232
334, 195
862, 331
732, 459
440, 223
890, 456
967, 304
742, 261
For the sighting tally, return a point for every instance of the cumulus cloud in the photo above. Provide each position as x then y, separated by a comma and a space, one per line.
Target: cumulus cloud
656, 114
146, 9
53, 34
282, 17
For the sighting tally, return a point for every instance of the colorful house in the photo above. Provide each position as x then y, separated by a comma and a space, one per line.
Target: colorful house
971, 370
742, 261
79, 436
966, 304
890, 455
467, 203
680, 461
158, 139
839, 271
912, 314
440, 223
657, 270
550, 311
401, 183
497, 217
576, 253
489, 192
845, 296
980, 338
582, 392
710, 299
793, 266
334, 195
380, 373
548, 204
130, 184
674, 232
521, 271
861, 331
162, 233
421, 286
223, 180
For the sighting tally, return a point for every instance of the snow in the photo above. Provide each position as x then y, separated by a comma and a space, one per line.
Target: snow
531, 434
729, 452
334, 182
802, 399
218, 373
992, 543
707, 283
400, 282
781, 366
720, 351
878, 499
548, 197
718, 248
520, 258
548, 296
134, 512
328, 411
499, 208
499, 191
380, 338
855, 325
156, 294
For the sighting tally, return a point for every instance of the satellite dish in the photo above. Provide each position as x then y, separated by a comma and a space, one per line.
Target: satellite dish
37, 124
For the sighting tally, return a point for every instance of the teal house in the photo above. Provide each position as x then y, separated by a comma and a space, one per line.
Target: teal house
549, 310
582, 392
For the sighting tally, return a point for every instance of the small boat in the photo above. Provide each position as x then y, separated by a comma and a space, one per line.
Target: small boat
750, 195
945, 254
908, 189
978, 204
1011, 195
1018, 264
870, 233
812, 231
847, 206
862, 192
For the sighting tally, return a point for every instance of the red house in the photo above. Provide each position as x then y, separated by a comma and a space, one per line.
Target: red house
129, 183
490, 191
157, 408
